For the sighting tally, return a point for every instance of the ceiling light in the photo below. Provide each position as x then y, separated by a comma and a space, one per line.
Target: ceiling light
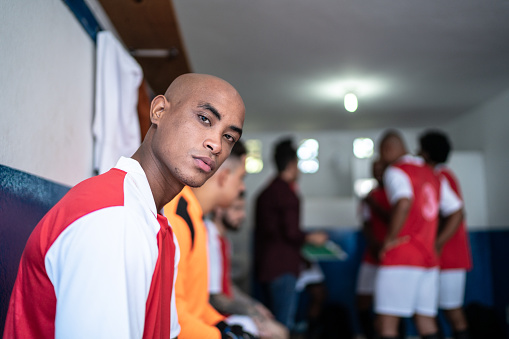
363, 148
351, 103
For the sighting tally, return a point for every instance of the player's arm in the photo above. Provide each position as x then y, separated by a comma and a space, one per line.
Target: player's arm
239, 303
384, 214
451, 208
227, 305
374, 246
399, 192
398, 217
255, 308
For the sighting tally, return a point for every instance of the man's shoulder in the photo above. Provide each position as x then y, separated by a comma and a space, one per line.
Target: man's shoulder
105, 190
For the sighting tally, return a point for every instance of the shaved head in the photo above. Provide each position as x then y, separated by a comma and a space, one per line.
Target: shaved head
192, 84
392, 147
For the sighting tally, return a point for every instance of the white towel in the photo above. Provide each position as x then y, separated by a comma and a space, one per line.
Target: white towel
116, 126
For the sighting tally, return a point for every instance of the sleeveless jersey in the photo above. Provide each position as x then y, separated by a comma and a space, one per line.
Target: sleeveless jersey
456, 252
422, 221
378, 225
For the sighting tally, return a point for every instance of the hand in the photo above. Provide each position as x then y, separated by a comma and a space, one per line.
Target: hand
263, 311
271, 329
438, 248
317, 238
390, 244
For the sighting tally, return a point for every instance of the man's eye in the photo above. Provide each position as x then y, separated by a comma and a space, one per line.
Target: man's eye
229, 138
204, 119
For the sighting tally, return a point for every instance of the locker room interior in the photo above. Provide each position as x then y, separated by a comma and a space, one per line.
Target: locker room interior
47, 73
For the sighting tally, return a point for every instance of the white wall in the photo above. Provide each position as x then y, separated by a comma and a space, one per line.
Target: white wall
334, 178
486, 128
46, 90
469, 168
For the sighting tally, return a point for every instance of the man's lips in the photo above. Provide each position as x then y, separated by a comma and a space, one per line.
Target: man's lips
205, 163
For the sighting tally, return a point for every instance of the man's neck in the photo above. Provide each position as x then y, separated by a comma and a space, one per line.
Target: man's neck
164, 186
221, 229
205, 198
285, 177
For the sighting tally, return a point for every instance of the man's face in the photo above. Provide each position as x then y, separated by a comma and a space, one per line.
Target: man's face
235, 214
390, 150
197, 132
293, 170
233, 185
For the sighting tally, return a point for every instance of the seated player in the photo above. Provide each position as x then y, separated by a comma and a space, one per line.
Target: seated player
198, 319
224, 295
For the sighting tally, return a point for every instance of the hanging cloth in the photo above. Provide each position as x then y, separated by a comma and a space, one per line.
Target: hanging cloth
116, 127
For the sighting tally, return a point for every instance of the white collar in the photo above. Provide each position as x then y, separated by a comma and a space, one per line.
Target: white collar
136, 172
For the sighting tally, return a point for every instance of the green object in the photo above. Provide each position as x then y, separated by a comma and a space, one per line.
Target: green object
328, 252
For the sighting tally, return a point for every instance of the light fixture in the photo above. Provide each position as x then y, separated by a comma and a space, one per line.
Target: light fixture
308, 156
351, 103
363, 148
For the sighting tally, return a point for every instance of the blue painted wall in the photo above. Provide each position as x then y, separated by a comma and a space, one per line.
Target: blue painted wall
487, 284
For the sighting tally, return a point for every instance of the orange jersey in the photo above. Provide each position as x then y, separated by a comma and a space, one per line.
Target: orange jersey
196, 316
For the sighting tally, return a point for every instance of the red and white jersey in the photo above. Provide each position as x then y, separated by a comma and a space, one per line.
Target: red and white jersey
100, 264
456, 252
219, 255
377, 224
411, 178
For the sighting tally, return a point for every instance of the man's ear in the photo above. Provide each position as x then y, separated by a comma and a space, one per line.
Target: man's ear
222, 176
157, 108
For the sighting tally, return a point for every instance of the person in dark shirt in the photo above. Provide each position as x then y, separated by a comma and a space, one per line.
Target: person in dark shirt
278, 237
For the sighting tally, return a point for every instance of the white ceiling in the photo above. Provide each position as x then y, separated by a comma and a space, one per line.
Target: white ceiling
411, 62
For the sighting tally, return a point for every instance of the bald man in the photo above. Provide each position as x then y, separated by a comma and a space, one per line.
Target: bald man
407, 279
102, 262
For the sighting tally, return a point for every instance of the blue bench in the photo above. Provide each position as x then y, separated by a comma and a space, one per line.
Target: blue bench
24, 200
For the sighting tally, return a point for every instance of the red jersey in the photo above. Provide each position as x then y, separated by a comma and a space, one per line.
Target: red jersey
219, 256
456, 252
377, 223
100, 264
411, 178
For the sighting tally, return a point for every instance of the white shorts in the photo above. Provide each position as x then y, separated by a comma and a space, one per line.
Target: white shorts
366, 279
311, 275
452, 288
406, 290
245, 321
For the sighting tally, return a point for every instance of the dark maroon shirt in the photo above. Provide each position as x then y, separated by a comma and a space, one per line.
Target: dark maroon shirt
278, 237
